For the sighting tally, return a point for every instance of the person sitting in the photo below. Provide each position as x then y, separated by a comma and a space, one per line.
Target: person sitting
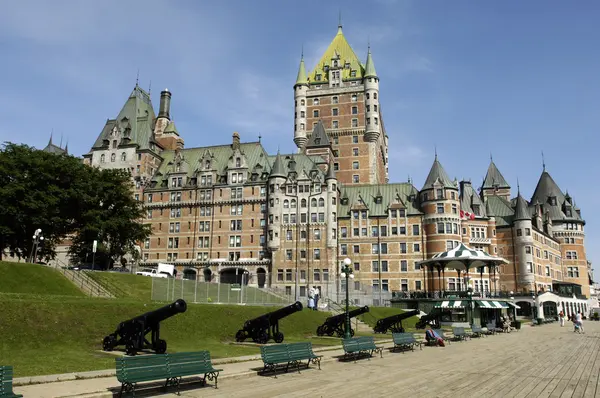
433, 338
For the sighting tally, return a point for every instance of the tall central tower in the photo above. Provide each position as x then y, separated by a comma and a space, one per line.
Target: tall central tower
343, 93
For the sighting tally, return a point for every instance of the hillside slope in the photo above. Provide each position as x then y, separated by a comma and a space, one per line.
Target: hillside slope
38, 279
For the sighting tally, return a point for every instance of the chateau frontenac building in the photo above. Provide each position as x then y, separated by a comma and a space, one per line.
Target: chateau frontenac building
287, 221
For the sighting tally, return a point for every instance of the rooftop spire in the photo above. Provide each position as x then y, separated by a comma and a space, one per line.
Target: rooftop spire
370, 65
494, 178
543, 162
278, 169
301, 78
340, 19
521, 209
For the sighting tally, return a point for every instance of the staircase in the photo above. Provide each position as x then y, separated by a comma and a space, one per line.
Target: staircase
86, 284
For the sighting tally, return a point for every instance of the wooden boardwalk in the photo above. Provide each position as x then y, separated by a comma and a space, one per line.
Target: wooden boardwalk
546, 361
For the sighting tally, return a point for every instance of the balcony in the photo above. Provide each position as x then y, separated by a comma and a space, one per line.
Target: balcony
480, 241
448, 294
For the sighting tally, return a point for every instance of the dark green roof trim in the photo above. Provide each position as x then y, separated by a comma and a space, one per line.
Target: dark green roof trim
403, 195
494, 178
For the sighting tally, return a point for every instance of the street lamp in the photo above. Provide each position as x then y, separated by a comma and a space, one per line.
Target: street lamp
37, 239
347, 273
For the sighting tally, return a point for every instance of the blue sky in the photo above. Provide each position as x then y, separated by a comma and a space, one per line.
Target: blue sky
510, 78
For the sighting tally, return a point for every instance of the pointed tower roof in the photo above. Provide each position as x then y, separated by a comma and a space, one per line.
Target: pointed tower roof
437, 173
370, 65
546, 187
338, 48
171, 128
330, 171
302, 78
494, 178
319, 136
278, 170
521, 209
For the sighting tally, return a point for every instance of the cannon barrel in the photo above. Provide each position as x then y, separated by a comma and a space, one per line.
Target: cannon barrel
158, 315
384, 324
334, 324
340, 317
266, 326
270, 317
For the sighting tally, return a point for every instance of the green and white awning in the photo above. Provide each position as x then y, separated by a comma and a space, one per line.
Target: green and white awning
463, 258
491, 304
451, 304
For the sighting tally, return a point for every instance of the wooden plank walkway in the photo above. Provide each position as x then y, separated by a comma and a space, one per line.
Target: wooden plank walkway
545, 361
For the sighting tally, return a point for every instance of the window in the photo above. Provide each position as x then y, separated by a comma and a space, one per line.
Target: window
454, 209
123, 156
355, 165
418, 285
102, 159
334, 100
403, 285
356, 249
317, 234
335, 124
403, 247
519, 232
316, 101
440, 228
354, 151
355, 110
355, 179
403, 266
113, 157
334, 112
355, 139
354, 97
440, 208
317, 254
354, 122
528, 249
416, 229
375, 266
416, 247
316, 113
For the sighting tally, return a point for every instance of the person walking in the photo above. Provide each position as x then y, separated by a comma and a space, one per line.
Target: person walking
561, 317
579, 321
317, 296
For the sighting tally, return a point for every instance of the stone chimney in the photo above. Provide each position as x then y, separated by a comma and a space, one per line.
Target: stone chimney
236, 141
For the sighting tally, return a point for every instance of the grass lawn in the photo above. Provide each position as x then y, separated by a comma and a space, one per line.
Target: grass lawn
23, 278
377, 313
128, 286
60, 334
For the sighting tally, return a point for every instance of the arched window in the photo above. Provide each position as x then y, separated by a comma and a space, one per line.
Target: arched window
321, 202
286, 204
207, 165
303, 203
302, 102
354, 97
123, 156
313, 202
102, 159
293, 203
114, 143
238, 162
374, 95
113, 157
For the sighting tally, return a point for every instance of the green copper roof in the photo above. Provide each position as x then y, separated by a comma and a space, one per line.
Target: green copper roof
278, 169
494, 178
370, 66
469, 198
299, 163
400, 195
318, 137
522, 209
437, 173
302, 79
545, 190
338, 48
137, 117
171, 128
501, 209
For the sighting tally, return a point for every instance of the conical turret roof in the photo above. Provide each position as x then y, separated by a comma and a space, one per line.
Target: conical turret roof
494, 178
278, 169
302, 78
319, 136
437, 173
522, 209
330, 171
370, 66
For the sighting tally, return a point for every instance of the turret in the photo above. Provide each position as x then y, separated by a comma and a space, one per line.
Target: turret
276, 180
524, 238
372, 118
300, 91
331, 203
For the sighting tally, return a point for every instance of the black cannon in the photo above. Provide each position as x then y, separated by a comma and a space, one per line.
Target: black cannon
266, 326
335, 324
132, 333
393, 323
432, 319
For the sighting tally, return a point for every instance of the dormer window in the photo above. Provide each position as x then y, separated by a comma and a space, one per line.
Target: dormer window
569, 213
317, 141
347, 65
440, 193
238, 162
352, 73
378, 200
552, 200
318, 77
114, 143
335, 63
207, 165
476, 210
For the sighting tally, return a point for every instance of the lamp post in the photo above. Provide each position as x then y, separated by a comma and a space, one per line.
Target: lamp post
347, 273
512, 299
533, 306
37, 239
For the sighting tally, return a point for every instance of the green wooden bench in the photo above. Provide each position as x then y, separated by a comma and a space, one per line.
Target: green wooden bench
360, 346
170, 367
6, 383
405, 341
289, 355
478, 331
460, 334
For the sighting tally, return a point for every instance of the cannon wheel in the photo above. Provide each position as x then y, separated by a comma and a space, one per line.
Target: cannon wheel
330, 332
262, 337
130, 350
109, 343
320, 331
278, 337
161, 347
240, 336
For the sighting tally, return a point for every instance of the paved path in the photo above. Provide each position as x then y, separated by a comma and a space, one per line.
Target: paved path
546, 361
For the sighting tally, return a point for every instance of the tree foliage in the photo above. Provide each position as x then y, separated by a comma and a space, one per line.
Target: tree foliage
62, 196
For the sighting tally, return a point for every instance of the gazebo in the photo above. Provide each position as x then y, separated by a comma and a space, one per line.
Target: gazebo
466, 262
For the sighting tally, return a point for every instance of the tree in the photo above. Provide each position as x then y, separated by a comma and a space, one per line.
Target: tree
38, 190
111, 216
